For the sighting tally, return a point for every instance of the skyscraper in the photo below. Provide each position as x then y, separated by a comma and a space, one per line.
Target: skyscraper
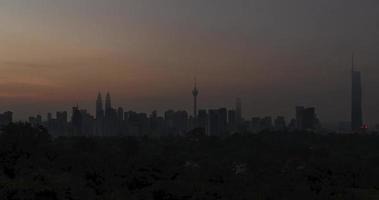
99, 107
195, 93
239, 110
356, 99
6, 118
76, 120
100, 115
218, 120
306, 118
108, 105
280, 123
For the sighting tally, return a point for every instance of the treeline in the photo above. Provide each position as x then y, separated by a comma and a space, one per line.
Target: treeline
269, 165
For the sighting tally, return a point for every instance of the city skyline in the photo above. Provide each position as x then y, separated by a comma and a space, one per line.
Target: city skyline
106, 116
55, 54
196, 99
113, 120
110, 120
103, 108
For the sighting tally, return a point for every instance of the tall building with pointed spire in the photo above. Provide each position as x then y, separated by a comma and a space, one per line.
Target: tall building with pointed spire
195, 93
108, 105
99, 107
356, 99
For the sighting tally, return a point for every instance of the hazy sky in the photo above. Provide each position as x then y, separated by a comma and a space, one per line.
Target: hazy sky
274, 54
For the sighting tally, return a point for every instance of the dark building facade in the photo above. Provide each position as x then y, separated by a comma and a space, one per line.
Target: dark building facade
280, 123
218, 120
356, 99
76, 120
306, 118
6, 118
195, 93
239, 111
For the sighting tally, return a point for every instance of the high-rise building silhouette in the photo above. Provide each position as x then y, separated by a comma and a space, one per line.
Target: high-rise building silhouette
62, 117
232, 117
238, 110
120, 114
195, 93
218, 120
280, 123
108, 102
306, 118
6, 118
202, 119
356, 98
76, 120
49, 117
99, 107
108, 106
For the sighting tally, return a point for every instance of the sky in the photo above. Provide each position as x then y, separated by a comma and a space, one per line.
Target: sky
273, 54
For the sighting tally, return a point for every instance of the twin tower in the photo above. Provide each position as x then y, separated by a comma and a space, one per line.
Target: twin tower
100, 112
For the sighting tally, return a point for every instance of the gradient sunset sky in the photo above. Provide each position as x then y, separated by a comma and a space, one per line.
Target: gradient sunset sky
274, 54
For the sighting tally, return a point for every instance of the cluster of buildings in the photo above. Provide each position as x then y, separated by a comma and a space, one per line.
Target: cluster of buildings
110, 121
117, 122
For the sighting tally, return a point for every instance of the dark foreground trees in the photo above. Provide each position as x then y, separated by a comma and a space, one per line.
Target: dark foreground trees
264, 166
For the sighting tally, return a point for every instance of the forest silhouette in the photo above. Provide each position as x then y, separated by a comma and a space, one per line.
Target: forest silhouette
268, 165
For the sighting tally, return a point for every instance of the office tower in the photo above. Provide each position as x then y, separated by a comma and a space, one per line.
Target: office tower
169, 116
108, 105
292, 125
239, 110
120, 114
99, 107
6, 118
176, 122
280, 123
100, 115
138, 123
232, 117
33, 121
153, 120
217, 121
306, 118
87, 122
62, 117
76, 120
233, 125
126, 116
110, 122
356, 99
213, 122
181, 122
39, 119
120, 121
223, 119
49, 117
203, 119
255, 125
195, 93
266, 123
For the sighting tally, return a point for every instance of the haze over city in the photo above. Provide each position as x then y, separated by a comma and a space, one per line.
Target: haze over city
274, 55
185, 100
